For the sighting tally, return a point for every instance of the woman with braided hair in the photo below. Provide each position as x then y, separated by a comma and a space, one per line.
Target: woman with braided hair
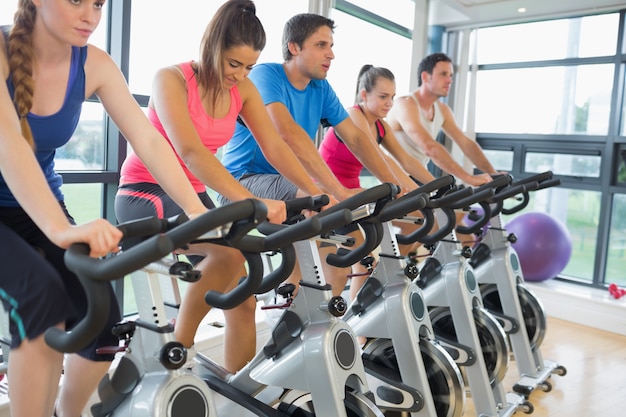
49, 70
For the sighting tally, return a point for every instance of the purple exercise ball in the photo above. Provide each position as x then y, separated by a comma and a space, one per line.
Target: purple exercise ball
544, 245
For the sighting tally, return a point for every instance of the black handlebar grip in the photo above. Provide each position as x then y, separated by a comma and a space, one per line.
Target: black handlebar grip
302, 230
335, 220
280, 273
473, 198
296, 205
548, 184
497, 182
443, 230
402, 206
434, 185
415, 236
478, 223
540, 177
373, 233
370, 195
143, 227
450, 198
513, 190
246, 287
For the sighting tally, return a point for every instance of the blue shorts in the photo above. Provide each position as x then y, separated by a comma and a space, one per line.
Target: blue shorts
36, 288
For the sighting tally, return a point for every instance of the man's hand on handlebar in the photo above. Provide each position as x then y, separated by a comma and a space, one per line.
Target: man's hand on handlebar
276, 210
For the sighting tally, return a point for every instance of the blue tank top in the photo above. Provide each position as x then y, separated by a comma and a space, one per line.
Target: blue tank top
53, 131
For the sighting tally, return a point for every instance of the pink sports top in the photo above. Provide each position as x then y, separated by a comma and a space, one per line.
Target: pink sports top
214, 133
341, 160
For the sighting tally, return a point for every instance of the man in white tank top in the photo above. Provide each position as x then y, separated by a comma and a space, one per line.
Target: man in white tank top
417, 118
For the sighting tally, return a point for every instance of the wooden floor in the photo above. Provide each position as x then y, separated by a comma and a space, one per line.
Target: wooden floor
595, 383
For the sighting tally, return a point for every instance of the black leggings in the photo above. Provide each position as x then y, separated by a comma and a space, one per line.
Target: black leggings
36, 288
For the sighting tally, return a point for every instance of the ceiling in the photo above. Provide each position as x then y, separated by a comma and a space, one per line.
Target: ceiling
466, 13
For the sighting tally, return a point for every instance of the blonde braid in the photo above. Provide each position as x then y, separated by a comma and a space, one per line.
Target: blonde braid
21, 58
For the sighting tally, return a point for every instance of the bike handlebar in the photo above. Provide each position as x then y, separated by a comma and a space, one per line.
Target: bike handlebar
379, 195
535, 182
94, 274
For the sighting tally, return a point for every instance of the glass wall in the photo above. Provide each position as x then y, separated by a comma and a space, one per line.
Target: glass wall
359, 41
551, 101
545, 100
582, 37
177, 33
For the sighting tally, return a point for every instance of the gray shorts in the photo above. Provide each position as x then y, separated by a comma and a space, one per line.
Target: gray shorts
269, 186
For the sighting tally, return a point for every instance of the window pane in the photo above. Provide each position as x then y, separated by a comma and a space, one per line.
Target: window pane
274, 14
178, 33
85, 150
84, 201
620, 175
623, 130
172, 27
372, 48
579, 211
572, 100
564, 164
556, 39
616, 258
99, 36
501, 160
402, 12
7, 10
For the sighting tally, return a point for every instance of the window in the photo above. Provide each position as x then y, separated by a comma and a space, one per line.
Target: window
549, 97
545, 100
84, 201
501, 160
371, 45
7, 10
85, 150
563, 164
401, 13
555, 39
579, 211
175, 29
616, 263
623, 112
620, 174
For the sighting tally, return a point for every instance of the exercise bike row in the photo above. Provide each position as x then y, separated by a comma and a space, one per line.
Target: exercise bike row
429, 334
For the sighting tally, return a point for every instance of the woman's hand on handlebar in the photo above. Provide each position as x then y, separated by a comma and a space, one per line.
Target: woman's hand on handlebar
346, 193
101, 236
276, 210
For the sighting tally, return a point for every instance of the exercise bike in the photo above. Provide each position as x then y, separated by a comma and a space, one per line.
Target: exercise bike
498, 271
472, 336
390, 311
311, 364
150, 379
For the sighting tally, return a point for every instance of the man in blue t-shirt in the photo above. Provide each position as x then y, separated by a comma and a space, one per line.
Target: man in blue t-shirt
299, 98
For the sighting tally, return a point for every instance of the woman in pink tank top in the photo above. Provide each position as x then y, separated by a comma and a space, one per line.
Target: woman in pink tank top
196, 106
